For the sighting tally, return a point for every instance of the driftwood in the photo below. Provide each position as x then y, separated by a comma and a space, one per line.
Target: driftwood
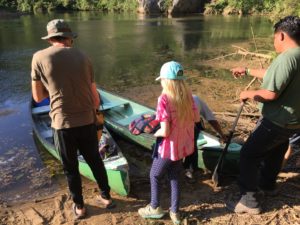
222, 57
234, 114
271, 219
245, 52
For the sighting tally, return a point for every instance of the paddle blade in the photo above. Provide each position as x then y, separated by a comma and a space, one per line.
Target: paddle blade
215, 177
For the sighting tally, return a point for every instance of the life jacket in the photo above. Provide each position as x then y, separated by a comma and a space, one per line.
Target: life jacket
146, 123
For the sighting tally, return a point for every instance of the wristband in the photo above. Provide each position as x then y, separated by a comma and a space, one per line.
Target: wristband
247, 71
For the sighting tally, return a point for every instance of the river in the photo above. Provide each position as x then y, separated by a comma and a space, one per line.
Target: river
127, 50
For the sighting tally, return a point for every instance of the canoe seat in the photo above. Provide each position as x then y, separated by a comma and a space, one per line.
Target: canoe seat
108, 105
47, 133
41, 109
127, 120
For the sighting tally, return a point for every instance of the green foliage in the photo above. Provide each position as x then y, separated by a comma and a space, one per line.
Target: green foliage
167, 4
85, 5
67, 4
285, 8
217, 7
48, 5
273, 7
117, 5
8, 4
25, 5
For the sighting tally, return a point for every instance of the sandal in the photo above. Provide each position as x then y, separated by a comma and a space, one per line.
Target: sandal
79, 216
107, 203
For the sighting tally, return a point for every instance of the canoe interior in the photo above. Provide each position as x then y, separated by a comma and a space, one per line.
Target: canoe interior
119, 112
116, 164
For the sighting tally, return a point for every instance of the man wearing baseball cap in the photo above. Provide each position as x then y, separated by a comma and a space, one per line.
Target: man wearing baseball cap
65, 74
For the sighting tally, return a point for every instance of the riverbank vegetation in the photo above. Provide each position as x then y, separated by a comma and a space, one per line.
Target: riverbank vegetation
274, 8
80, 5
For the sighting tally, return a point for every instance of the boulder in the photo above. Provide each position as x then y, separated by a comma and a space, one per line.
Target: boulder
177, 7
186, 6
149, 6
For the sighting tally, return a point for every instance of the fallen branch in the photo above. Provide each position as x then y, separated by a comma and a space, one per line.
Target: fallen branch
251, 82
234, 114
245, 52
271, 219
222, 57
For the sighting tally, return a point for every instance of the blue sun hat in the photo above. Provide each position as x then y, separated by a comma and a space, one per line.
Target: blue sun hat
171, 70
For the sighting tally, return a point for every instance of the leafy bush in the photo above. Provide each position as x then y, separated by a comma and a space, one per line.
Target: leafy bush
117, 5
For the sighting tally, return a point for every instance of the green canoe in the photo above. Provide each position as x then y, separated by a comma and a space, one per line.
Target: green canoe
116, 164
119, 112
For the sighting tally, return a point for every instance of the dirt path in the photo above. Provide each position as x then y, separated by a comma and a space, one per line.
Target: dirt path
201, 204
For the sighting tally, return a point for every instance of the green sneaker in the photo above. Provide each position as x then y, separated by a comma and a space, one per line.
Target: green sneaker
150, 213
175, 217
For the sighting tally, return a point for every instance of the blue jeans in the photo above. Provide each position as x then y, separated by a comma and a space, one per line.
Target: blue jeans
262, 154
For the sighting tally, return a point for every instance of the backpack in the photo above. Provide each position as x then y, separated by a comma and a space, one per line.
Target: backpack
145, 123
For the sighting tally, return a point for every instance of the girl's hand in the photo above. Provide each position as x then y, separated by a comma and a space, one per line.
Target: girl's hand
164, 130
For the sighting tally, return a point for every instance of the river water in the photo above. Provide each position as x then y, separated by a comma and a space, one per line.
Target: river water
127, 50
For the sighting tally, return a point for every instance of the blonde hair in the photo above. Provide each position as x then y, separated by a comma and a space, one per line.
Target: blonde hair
180, 97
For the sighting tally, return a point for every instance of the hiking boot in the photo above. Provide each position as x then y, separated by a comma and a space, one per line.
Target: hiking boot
175, 217
246, 204
150, 213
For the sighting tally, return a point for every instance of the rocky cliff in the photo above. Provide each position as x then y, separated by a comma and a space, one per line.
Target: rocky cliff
171, 7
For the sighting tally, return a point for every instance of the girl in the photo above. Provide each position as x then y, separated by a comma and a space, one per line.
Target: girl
177, 114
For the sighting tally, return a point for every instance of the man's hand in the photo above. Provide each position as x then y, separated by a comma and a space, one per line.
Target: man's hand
244, 96
239, 71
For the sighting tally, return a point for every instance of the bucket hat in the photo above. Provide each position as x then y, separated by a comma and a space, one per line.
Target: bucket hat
59, 28
171, 70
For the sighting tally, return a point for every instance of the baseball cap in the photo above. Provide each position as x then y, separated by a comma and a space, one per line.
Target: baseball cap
171, 70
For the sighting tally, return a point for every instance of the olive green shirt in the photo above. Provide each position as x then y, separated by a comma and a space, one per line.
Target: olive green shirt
283, 78
67, 74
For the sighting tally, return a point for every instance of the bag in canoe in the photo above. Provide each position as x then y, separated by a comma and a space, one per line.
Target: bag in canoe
146, 123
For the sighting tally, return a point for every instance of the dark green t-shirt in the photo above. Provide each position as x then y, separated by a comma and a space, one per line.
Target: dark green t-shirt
283, 78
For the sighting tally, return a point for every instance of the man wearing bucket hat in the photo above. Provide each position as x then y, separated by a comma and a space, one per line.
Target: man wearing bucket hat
65, 74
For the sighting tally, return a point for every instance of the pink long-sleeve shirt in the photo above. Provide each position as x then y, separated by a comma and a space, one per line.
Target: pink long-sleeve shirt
180, 142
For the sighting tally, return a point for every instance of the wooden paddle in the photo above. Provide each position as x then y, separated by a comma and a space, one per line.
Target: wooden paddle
218, 168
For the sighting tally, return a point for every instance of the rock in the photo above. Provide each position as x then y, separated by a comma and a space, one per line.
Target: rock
177, 6
148, 6
186, 6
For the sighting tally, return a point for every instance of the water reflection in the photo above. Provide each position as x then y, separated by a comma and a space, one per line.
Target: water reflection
23, 175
